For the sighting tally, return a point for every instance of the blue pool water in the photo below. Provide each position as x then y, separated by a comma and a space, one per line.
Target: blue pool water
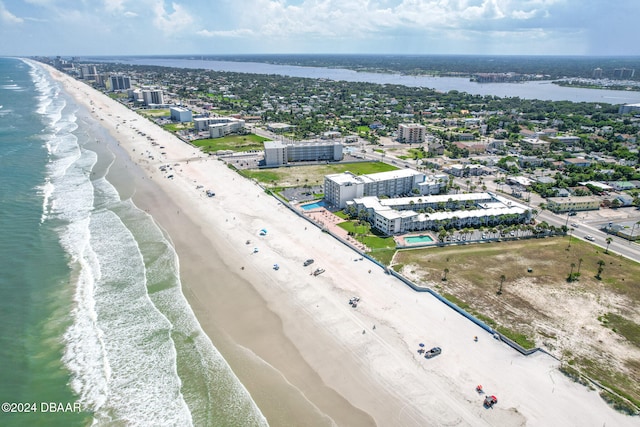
314, 205
418, 239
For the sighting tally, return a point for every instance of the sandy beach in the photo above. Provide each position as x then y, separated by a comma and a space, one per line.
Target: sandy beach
304, 354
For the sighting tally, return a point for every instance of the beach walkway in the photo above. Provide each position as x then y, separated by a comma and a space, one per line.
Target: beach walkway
329, 221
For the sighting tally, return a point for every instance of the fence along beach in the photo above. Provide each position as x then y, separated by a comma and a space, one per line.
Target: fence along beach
305, 355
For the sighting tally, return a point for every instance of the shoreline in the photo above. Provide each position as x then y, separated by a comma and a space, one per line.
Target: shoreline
292, 339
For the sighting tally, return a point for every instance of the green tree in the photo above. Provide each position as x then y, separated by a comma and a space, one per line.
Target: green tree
609, 240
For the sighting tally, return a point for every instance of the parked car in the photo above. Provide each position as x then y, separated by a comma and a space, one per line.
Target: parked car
308, 262
432, 353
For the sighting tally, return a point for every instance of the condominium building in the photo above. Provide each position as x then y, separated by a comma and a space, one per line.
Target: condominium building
220, 129
152, 97
411, 133
202, 123
278, 153
88, 72
402, 215
340, 188
119, 82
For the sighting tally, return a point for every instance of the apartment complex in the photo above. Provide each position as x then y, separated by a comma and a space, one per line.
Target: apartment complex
342, 187
411, 133
278, 153
224, 128
407, 214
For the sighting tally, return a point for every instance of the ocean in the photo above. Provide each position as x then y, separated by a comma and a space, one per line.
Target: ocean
95, 328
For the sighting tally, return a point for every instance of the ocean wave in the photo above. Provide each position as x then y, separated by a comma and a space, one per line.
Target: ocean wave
134, 349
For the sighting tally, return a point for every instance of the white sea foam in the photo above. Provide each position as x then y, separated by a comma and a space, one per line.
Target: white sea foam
128, 303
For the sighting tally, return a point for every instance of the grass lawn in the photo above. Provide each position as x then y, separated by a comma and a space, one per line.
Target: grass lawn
296, 176
231, 142
174, 127
155, 113
381, 246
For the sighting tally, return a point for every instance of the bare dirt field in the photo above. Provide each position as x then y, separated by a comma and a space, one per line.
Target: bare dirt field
591, 324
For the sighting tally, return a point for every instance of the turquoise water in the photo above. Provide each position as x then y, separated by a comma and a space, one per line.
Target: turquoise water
90, 295
418, 239
314, 205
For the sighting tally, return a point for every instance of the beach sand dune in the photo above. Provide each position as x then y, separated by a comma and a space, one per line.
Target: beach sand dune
305, 355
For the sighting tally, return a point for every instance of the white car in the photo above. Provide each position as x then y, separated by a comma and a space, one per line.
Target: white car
574, 225
589, 237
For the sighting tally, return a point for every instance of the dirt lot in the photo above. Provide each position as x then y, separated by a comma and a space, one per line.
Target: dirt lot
591, 325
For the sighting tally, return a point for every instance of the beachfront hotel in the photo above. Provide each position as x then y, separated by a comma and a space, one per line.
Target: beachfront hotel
406, 214
342, 187
278, 153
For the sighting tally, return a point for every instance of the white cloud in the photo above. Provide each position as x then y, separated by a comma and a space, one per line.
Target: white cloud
114, 5
171, 23
241, 32
8, 17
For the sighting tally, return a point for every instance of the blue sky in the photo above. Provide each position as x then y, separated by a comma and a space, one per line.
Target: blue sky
492, 27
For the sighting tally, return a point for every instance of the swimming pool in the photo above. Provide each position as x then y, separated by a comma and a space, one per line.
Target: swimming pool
314, 205
418, 239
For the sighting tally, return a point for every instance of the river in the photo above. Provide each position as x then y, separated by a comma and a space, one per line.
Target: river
543, 90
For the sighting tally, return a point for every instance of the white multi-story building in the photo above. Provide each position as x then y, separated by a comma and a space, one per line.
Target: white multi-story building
340, 188
201, 124
152, 97
402, 215
278, 153
180, 114
88, 72
224, 128
411, 133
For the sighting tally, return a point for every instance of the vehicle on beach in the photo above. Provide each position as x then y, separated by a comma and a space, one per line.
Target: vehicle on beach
489, 401
308, 262
210, 193
353, 301
318, 271
432, 353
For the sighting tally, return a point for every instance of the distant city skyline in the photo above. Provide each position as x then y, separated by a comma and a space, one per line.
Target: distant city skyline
154, 27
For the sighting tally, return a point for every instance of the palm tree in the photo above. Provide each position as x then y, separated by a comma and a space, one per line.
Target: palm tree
444, 276
502, 279
609, 240
601, 264
579, 264
570, 279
